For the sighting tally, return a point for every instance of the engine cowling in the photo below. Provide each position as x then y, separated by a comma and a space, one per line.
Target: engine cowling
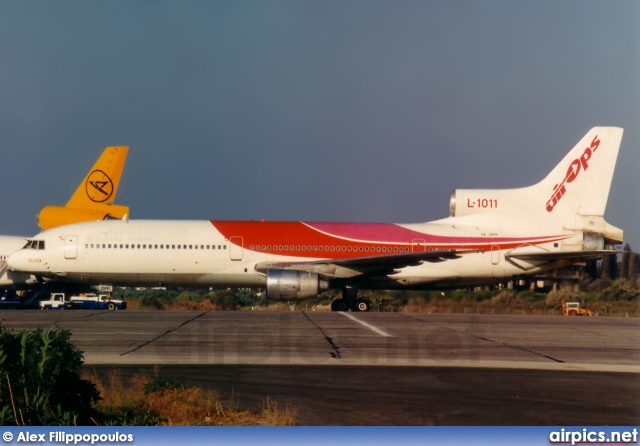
285, 284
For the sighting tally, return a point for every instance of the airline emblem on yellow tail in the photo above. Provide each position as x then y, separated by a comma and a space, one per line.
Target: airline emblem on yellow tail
99, 186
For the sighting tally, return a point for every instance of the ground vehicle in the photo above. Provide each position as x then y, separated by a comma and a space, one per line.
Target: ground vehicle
60, 301
573, 309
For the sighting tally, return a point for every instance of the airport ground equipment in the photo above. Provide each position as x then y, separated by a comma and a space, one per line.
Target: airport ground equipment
60, 301
573, 309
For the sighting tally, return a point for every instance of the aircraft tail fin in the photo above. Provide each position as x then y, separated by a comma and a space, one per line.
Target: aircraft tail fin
101, 183
580, 183
571, 198
93, 199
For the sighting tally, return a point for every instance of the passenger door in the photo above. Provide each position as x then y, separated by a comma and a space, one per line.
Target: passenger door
70, 247
235, 248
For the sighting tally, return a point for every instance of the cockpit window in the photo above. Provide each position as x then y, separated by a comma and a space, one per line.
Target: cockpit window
34, 244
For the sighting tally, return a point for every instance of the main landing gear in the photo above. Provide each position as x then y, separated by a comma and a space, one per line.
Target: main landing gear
350, 301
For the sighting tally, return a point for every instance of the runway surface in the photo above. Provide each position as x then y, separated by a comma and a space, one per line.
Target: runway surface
378, 368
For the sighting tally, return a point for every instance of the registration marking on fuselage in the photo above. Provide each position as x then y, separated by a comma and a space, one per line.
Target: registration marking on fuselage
369, 326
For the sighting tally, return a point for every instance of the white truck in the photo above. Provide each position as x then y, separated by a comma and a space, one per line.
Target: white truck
60, 301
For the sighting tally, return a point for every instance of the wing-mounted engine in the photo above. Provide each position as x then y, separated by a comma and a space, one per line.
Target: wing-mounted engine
291, 284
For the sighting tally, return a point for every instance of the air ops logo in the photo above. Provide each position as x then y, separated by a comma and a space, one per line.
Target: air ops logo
99, 186
572, 173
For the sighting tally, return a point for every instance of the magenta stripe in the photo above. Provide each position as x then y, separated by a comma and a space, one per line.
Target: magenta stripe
392, 233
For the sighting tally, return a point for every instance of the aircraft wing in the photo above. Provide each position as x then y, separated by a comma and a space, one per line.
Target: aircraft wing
358, 266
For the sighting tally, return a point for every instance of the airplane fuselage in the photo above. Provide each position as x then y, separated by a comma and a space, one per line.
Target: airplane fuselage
229, 253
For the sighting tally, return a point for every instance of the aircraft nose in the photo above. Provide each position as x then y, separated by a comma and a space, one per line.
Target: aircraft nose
18, 261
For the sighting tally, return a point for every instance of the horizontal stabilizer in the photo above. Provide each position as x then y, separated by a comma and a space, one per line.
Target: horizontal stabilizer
568, 255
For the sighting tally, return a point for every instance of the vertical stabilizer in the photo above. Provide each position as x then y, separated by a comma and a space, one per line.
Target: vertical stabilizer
101, 183
571, 199
580, 183
93, 199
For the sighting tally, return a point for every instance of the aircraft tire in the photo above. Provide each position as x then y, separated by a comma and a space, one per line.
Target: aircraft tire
362, 305
339, 305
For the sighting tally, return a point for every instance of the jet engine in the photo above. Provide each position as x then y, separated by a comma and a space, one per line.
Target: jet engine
285, 284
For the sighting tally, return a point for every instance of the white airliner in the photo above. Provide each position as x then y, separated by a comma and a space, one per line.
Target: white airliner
491, 236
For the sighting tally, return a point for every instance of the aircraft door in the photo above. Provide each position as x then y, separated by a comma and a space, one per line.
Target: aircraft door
70, 247
495, 254
418, 245
235, 248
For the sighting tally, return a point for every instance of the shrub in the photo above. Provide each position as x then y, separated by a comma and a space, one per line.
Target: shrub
40, 382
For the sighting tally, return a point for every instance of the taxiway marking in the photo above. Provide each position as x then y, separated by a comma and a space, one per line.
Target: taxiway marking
369, 326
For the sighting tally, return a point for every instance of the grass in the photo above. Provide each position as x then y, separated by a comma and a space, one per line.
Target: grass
154, 401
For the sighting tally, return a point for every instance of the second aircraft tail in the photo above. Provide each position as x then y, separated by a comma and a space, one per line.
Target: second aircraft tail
93, 199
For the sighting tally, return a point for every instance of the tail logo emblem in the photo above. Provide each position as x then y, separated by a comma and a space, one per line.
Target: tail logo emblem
99, 186
576, 166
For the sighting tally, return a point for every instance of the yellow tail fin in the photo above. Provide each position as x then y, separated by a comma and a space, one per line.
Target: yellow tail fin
93, 199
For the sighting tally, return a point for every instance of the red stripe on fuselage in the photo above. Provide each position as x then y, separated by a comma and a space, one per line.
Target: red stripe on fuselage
348, 240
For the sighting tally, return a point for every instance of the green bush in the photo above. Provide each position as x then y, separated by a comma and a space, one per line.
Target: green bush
40, 380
